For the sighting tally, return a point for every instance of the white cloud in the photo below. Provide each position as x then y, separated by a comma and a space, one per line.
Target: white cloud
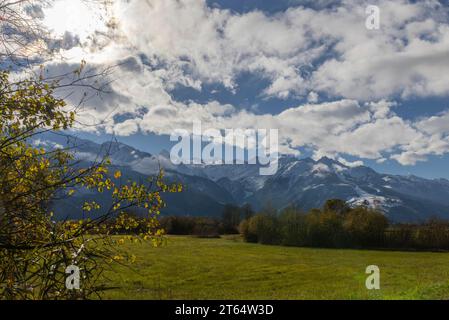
331, 129
312, 97
408, 56
352, 164
160, 44
125, 128
438, 124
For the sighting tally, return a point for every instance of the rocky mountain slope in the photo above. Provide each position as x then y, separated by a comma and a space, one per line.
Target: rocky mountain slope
303, 182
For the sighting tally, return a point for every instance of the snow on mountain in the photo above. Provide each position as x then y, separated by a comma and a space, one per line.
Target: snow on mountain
304, 182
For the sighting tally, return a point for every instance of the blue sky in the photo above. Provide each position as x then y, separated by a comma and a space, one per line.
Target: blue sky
310, 69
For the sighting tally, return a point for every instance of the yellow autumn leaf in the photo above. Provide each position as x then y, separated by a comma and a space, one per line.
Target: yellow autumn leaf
117, 174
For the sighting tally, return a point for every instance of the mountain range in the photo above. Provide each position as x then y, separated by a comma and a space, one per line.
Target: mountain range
305, 183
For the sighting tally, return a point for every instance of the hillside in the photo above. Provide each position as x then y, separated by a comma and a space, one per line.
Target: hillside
305, 183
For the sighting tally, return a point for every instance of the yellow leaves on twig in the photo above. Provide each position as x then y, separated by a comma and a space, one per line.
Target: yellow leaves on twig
117, 174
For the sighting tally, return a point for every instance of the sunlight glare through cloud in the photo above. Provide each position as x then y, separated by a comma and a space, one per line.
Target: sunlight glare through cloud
75, 16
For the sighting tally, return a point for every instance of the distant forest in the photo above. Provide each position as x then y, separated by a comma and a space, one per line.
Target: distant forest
335, 225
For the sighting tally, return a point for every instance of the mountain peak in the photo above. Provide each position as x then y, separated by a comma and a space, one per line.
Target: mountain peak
328, 161
303, 182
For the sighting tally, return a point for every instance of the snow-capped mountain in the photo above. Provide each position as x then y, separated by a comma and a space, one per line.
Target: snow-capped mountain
305, 183
308, 183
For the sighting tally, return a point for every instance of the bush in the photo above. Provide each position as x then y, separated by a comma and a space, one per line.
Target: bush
433, 235
365, 227
206, 228
324, 229
401, 236
292, 227
264, 227
338, 225
178, 225
186, 225
245, 232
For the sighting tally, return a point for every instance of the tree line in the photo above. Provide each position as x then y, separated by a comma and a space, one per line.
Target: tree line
335, 225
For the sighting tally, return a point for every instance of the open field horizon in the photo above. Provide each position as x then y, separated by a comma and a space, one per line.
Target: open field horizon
227, 268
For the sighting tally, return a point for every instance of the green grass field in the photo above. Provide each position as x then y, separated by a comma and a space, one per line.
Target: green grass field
226, 268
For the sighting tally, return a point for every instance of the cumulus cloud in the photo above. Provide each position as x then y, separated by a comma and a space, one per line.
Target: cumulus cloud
315, 53
332, 129
407, 56
350, 164
321, 48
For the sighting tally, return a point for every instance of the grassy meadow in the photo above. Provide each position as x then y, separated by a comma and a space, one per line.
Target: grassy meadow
227, 268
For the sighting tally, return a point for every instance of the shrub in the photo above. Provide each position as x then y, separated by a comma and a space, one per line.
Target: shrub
365, 227
292, 227
324, 229
178, 225
264, 227
401, 236
338, 225
245, 232
206, 228
187, 225
433, 235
